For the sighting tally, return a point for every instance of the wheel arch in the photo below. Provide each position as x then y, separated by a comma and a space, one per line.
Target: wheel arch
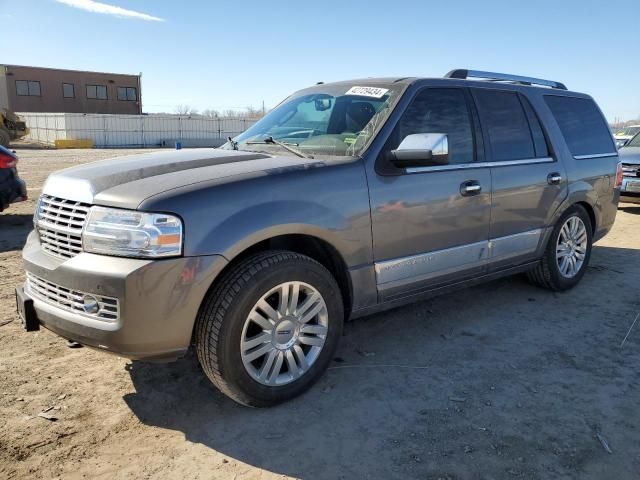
592, 214
307, 244
585, 196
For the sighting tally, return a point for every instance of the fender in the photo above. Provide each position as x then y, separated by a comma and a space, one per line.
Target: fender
579, 192
257, 223
330, 202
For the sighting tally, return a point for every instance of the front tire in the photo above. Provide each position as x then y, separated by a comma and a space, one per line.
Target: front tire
269, 327
568, 252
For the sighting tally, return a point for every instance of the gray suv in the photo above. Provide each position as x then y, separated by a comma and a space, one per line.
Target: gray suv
630, 159
347, 199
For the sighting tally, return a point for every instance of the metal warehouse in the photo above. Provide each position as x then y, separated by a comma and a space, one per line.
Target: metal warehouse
111, 131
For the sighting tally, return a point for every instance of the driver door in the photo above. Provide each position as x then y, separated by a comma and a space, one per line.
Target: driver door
430, 224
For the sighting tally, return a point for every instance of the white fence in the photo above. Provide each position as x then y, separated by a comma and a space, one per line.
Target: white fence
110, 131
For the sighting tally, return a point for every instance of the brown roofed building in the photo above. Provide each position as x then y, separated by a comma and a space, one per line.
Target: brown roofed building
36, 89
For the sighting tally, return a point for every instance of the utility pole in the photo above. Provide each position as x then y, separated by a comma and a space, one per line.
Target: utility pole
140, 94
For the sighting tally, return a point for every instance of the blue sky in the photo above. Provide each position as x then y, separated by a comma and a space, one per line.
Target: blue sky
220, 54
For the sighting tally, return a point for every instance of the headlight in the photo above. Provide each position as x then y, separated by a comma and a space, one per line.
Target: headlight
128, 233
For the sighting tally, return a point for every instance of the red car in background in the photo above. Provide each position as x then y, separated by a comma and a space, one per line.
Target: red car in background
12, 188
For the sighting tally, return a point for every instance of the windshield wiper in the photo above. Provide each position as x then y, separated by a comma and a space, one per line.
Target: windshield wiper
234, 144
272, 141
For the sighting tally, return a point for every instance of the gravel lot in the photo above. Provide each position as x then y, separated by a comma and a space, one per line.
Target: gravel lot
500, 381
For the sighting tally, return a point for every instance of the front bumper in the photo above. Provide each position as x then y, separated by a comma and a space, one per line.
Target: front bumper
158, 299
630, 190
630, 186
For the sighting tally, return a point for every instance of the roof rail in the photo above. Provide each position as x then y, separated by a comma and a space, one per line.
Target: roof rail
503, 77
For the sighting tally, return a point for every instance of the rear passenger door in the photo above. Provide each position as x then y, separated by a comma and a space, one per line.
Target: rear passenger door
528, 182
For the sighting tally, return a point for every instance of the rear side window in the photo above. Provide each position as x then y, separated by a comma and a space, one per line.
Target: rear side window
539, 140
582, 125
505, 121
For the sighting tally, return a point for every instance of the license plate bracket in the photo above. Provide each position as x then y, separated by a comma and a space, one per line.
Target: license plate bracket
632, 186
26, 311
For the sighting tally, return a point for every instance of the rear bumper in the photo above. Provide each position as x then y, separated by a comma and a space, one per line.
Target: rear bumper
13, 190
630, 197
158, 299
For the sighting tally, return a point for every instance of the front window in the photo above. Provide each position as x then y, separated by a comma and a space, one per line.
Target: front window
326, 120
442, 111
629, 131
634, 142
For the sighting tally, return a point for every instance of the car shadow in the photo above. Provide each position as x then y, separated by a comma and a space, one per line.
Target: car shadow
630, 207
441, 377
14, 229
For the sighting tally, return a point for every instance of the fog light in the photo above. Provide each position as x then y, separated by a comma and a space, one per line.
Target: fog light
90, 304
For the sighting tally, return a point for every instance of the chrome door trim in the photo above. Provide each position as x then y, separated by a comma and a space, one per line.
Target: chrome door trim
509, 246
467, 166
595, 155
424, 266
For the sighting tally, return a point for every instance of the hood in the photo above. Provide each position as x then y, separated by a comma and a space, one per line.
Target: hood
127, 181
629, 155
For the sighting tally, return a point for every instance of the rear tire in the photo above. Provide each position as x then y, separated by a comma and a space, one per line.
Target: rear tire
5, 137
250, 340
567, 254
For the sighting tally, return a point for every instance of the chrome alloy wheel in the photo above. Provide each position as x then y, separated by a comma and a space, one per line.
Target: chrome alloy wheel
284, 333
571, 248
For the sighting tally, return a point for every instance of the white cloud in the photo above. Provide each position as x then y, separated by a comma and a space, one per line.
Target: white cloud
106, 9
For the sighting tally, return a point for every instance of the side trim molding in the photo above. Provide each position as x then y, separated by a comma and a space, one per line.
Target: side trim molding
595, 155
424, 266
503, 248
468, 166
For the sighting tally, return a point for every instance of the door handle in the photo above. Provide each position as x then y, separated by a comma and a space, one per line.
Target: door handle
554, 178
469, 188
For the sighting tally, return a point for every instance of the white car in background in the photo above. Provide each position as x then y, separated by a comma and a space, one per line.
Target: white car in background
630, 158
624, 135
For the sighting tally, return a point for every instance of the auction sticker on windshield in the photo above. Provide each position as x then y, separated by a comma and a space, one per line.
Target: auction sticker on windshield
374, 92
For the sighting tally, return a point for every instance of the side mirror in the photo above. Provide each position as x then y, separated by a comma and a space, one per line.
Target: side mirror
422, 150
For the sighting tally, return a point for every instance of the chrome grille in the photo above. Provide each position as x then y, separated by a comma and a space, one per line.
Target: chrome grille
629, 170
59, 223
71, 300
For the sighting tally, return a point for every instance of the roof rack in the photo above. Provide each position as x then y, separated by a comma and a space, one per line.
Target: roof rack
503, 77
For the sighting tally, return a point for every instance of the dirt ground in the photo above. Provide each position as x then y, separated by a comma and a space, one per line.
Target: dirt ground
500, 381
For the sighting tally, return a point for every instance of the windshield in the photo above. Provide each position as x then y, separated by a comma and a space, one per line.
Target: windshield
327, 120
634, 142
629, 131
